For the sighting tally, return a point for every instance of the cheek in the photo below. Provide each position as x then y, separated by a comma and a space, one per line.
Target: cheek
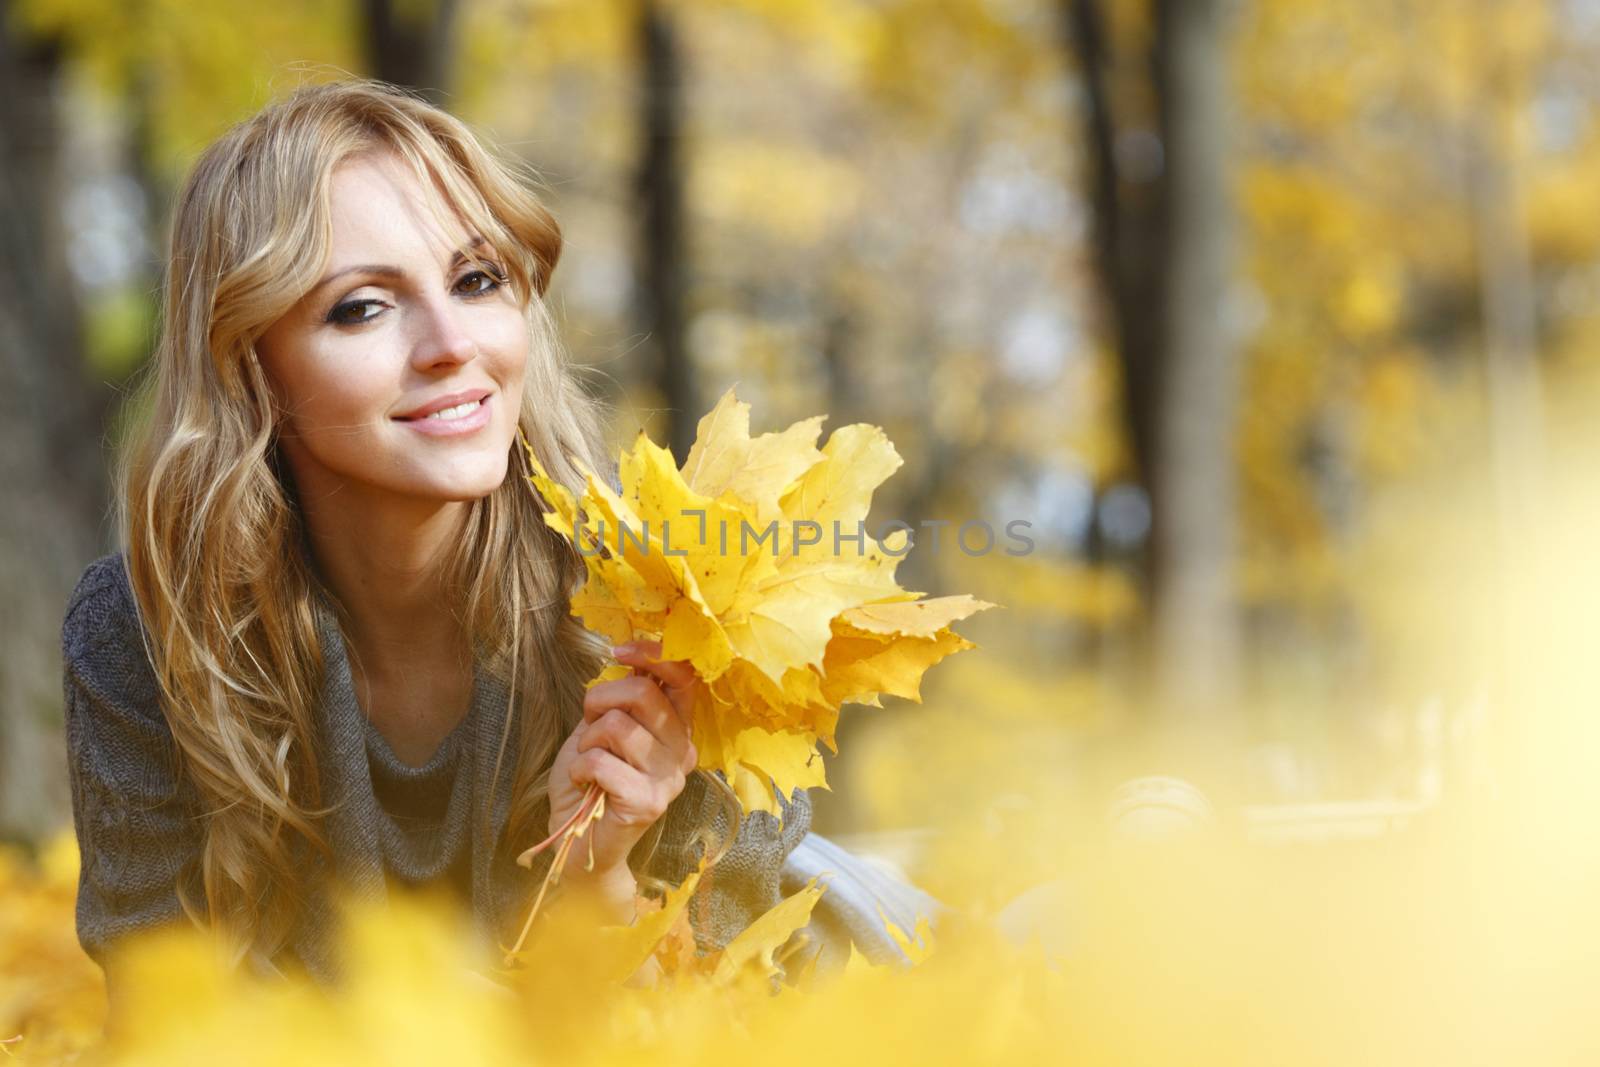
321, 402
511, 348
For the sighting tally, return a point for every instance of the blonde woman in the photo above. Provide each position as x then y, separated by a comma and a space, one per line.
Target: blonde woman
336, 646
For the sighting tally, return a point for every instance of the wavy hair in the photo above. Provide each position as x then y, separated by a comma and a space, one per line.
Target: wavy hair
215, 543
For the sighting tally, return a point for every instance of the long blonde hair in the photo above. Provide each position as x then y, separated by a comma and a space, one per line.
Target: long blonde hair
212, 531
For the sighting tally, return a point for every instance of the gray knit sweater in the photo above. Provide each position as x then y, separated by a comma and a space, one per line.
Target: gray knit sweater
139, 824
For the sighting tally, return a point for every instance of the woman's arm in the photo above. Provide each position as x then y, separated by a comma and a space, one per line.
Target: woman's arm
744, 884
635, 740
135, 822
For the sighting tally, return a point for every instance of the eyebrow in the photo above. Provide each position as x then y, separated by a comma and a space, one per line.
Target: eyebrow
386, 271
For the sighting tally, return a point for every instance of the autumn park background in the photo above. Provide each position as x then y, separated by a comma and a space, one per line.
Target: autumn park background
1277, 320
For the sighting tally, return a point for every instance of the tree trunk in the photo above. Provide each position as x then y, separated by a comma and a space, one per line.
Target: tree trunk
412, 44
1130, 230
1192, 484
1163, 236
51, 426
659, 293
1510, 319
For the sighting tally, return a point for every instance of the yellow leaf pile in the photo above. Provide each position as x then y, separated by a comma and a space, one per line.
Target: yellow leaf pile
573, 948
420, 987
753, 563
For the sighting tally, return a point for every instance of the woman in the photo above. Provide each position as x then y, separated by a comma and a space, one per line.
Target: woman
336, 647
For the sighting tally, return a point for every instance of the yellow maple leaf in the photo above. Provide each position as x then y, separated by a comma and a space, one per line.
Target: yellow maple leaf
752, 563
886, 648
757, 760
725, 459
917, 947
631, 946
921, 618
754, 946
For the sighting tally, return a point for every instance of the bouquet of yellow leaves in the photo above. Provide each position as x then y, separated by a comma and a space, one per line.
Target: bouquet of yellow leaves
753, 563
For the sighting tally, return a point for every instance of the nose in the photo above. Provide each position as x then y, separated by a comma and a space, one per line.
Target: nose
441, 336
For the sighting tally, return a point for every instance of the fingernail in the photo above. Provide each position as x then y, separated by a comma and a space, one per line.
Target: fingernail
622, 650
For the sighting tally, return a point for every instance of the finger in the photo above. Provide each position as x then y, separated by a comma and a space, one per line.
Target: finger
643, 699
645, 655
678, 678
622, 734
633, 797
667, 765
622, 692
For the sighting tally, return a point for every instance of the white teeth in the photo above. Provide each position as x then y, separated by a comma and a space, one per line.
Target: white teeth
458, 411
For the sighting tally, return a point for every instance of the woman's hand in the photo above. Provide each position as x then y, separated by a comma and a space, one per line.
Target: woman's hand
635, 742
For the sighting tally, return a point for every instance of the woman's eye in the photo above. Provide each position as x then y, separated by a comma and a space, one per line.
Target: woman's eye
494, 282
343, 315
476, 283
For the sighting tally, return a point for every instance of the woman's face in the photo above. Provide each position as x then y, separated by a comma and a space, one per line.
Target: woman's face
398, 326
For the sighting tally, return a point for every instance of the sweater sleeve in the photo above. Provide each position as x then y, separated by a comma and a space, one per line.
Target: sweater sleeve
135, 821
744, 883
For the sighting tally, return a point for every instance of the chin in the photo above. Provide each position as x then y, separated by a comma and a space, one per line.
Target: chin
475, 484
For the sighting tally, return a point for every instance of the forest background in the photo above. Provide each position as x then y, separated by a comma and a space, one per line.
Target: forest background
1249, 308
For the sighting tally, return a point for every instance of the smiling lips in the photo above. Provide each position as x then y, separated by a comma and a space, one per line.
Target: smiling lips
449, 420
445, 403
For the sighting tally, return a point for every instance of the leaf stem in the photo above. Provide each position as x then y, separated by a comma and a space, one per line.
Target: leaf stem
588, 813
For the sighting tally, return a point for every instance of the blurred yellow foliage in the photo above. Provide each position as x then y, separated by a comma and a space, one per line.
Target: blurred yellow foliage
51, 995
795, 193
